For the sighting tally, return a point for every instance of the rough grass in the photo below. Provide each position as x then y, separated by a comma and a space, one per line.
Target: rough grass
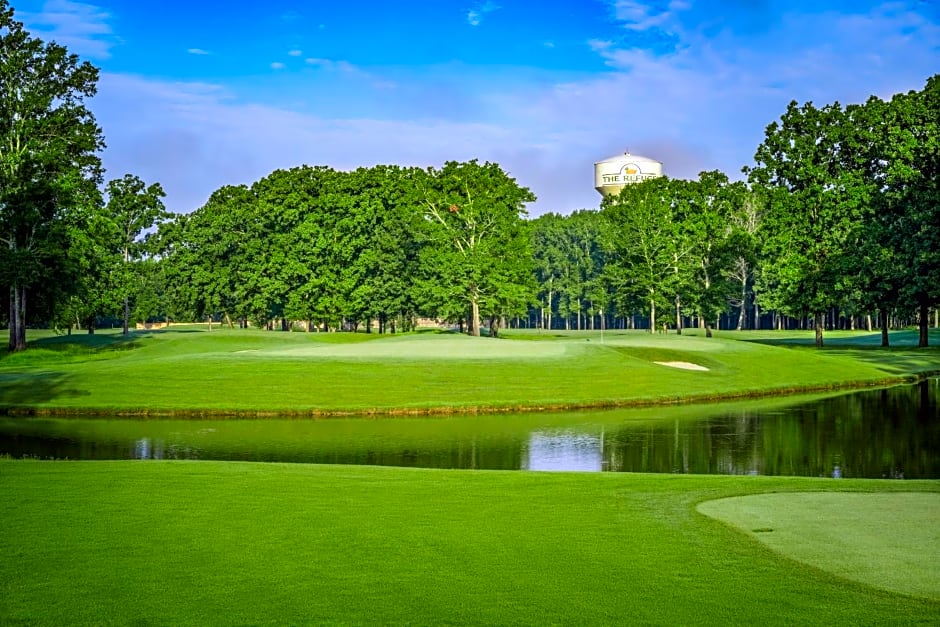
889, 541
206, 543
252, 372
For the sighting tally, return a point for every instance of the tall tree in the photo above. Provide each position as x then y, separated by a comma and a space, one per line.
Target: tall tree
911, 198
134, 207
645, 250
817, 199
48, 153
712, 238
475, 219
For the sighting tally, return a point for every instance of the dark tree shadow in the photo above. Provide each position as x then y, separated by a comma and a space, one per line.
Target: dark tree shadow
17, 390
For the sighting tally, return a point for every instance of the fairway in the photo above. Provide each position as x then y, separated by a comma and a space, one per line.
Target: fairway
206, 543
190, 370
889, 541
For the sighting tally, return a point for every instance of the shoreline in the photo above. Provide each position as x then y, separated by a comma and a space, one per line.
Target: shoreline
466, 409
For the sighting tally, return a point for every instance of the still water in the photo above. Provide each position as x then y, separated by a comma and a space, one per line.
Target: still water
891, 433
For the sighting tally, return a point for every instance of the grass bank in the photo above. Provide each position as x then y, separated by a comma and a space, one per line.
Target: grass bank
251, 372
233, 543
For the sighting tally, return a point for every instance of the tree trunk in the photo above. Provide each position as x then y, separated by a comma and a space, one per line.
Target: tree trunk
474, 329
868, 323
652, 316
883, 314
708, 330
17, 319
818, 326
924, 324
494, 326
127, 315
678, 316
90, 324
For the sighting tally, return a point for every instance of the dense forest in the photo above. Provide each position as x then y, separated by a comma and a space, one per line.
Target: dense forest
836, 225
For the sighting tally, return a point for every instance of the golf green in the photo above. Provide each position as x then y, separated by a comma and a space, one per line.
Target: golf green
889, 541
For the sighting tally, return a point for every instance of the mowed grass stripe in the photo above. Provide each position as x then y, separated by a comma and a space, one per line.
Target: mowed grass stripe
233, 543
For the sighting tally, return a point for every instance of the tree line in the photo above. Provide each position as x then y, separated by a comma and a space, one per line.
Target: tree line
839, 213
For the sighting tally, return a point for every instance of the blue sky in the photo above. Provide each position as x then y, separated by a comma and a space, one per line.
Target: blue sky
197, 95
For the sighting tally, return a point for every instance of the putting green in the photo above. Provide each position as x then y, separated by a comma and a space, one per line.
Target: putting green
889, 541
430, 347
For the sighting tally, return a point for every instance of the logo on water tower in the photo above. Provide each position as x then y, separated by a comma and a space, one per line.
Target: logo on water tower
631, 172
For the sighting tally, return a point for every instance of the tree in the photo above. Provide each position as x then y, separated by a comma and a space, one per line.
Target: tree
714, 243
818, 198
48, 154
644, 247
480, 253
134, 208
911, 196
745, 220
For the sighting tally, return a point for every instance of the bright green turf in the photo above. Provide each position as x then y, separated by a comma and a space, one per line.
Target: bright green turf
889, 541
232, 543
189, 369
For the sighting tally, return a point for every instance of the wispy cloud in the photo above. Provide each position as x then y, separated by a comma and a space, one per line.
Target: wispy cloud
646, 15
476, 14
295, 53
333, 65
197, 51
82, 28
277, 65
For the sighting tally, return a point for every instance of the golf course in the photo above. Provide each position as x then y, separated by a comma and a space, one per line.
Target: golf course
222, 542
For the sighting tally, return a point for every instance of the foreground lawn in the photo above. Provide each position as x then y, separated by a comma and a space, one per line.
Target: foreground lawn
250, 371
233, 543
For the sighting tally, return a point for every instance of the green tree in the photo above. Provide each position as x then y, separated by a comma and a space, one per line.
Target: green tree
817, 198
646, 252
910, 202
480, 254
134, 207
48, 155
714, 243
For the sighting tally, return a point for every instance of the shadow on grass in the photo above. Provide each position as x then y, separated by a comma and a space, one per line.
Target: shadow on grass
78, 345
901, 357
33, 389
896, 359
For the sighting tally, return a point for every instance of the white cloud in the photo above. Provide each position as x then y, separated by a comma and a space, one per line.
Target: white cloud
82, 28
277, 65
335, 65
643, 16
295, 53
476, 14
197, 51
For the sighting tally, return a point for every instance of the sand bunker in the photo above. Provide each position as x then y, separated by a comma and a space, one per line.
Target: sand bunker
684, 365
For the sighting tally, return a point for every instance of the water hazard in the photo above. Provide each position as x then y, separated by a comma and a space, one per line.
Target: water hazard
885, 433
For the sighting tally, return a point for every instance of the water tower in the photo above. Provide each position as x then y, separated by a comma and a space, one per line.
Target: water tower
613, 174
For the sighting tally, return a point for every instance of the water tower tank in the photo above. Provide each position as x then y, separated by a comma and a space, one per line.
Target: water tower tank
611, 175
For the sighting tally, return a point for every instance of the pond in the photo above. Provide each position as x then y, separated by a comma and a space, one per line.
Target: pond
884, 433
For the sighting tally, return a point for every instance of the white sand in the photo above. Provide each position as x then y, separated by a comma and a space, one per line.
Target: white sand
684, 365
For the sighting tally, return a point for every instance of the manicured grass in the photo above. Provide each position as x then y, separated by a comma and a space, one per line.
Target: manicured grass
889, 541
232, 543
250, 371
